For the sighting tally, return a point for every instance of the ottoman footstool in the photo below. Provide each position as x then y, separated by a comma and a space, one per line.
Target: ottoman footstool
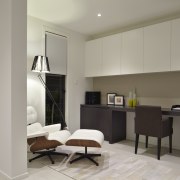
86, 138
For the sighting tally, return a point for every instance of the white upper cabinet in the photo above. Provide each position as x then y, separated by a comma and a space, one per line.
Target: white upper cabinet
111, 54
175, 45
93, 59
154, 48
132, 52
157, 41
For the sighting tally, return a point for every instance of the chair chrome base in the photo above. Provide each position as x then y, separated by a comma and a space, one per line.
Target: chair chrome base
86, 155
47, 153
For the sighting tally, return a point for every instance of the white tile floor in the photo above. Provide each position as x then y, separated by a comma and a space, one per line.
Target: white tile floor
118, 161
46, 173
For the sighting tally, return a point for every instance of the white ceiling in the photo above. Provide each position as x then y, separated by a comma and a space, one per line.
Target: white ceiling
81, 15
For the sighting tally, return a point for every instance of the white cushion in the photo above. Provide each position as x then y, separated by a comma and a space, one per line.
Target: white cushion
52, 128
36, 127
88, 134
36, 130
60, 136
37, 134
31, 115
52, 132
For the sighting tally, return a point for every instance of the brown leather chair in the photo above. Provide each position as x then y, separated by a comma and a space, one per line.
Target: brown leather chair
44, 140
149, 122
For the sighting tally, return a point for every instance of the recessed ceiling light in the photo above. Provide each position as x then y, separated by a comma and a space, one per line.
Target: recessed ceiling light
99, 14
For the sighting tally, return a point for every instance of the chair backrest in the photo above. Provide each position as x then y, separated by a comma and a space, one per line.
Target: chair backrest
148, 120
31, 115
32, 124
33, 128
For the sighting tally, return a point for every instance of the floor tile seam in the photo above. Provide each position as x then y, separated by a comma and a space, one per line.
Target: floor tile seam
60, 172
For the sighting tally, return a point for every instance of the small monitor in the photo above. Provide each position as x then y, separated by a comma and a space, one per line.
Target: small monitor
93, 97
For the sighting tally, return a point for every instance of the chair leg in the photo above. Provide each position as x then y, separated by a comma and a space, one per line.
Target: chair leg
170, 143
136, 143
146, 141
47, 153
159, 148
52, 162
37, 157
86, 155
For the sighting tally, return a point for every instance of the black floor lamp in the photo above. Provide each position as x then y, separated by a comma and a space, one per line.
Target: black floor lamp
41, 65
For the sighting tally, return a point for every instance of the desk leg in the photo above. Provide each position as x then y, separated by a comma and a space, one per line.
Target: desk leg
117, 126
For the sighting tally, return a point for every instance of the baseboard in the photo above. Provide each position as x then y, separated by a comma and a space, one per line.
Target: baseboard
21, 176
4, 176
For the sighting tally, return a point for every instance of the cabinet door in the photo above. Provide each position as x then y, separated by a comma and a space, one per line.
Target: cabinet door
157, 47
88, 118
93, 58
111, 55
175, 46
132, 52
95, 118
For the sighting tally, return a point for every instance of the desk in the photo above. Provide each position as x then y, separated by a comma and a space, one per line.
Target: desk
110, 119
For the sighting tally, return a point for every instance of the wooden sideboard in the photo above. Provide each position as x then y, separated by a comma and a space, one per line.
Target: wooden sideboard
100, 118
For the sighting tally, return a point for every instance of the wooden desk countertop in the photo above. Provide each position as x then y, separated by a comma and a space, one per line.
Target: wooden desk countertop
165, 111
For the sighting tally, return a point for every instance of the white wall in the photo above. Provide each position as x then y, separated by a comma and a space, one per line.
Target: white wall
35, 91
13, 156
5, 95
76, 84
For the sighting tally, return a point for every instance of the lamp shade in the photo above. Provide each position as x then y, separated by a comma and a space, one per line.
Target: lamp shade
40, 64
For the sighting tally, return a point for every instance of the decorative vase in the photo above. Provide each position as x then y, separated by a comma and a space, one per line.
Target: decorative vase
134, 101
130, 100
